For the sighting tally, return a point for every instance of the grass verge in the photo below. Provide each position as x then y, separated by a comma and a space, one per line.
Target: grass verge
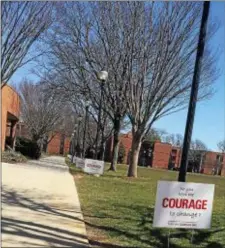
13, 157
118, 211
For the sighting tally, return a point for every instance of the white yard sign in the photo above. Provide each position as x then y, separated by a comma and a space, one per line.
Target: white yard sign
80, 163
183, 205
94, 166
74, 159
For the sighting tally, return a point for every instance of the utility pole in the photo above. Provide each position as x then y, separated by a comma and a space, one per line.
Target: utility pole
102, 77
85, 128
99, 119
194, 93
77, 149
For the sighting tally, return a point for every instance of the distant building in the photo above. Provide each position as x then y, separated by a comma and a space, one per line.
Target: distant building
126, 140
59, 142
10, 115
165, 156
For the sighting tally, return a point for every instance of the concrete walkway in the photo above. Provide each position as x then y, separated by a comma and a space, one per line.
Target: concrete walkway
40, 206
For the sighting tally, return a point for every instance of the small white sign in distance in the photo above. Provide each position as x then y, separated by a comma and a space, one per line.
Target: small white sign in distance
80, 163
74, 159
94, 166
183, 205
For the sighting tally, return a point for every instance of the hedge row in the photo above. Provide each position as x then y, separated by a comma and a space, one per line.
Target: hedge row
28, 147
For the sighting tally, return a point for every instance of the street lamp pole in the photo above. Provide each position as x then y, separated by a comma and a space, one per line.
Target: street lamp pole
102, 76
194, 93
72, 146
85, 127
78, 135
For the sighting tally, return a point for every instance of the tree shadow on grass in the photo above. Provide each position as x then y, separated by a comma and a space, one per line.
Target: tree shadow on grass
201, 237
139, 232
214, 245
147, 236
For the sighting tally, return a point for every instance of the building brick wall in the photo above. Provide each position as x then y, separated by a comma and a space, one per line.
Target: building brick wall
210, 162
126, 140
176, 156
10, 110
55, 143
66, 145
161, 155
53, 146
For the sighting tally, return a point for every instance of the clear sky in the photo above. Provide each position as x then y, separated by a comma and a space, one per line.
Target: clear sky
209, 124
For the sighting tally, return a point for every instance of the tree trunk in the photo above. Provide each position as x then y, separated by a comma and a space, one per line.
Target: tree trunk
45, 144
135, 149
39, 143
117, 124
200, 164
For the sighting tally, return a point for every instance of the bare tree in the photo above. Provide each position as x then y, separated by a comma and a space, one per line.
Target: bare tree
41, 113
148, 50
179, 140
221, 146
162, 134
79, 95
196, 154
152, 135
22, 25
90, 41
174, 139
220, 157
164, 42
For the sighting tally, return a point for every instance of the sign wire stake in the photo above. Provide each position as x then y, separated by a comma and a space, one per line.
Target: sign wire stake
168, 240
192, 235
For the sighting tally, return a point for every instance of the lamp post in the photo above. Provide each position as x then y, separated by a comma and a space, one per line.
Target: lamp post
72, 143
72, 146
85, 127
102, 77
79, 118
194, 93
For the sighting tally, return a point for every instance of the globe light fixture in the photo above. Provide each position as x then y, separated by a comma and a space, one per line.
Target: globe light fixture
87, 103
102, 75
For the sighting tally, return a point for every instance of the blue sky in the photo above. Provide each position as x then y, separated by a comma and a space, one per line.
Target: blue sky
209, 123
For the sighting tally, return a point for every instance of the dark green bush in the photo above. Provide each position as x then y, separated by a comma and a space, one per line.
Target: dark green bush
28, 147
121, 154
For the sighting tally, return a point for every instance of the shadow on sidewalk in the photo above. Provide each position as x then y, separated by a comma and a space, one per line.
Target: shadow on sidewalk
35, 231
64, 237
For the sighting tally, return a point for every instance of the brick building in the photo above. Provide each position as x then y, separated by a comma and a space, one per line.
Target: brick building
126, 140
161, 155
10, 115
213, 163
58, 144
165, 156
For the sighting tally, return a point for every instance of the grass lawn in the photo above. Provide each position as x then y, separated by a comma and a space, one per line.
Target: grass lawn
118, 211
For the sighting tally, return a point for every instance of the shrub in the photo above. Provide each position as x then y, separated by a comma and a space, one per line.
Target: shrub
121, 153
13, 157
28, 147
